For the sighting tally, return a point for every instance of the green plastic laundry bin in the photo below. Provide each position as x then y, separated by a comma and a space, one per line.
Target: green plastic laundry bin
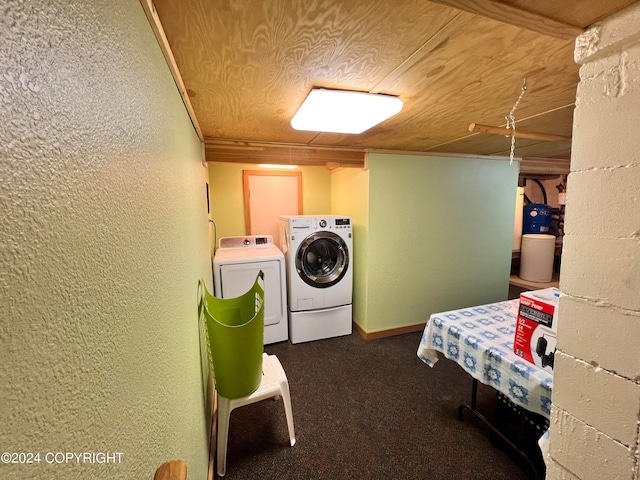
235, 336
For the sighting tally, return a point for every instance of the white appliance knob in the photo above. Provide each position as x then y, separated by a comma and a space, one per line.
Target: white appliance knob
323, 223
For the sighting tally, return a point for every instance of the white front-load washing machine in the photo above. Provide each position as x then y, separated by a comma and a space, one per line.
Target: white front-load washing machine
318, 252
236, 264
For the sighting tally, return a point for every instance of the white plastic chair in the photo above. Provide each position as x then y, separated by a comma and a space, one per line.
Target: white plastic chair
237, 360
274, 384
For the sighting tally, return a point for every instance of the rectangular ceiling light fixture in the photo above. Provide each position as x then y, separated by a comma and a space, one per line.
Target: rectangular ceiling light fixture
343, 111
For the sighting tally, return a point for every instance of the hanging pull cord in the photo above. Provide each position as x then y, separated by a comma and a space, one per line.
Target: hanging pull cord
511, 121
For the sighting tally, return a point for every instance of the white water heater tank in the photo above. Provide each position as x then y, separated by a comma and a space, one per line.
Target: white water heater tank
536, 257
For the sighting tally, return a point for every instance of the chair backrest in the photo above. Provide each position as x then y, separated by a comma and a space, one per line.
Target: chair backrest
234, 329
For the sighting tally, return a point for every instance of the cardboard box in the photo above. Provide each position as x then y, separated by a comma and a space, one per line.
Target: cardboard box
536, 327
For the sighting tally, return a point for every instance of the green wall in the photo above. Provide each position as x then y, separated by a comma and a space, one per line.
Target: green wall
103, 236
226, 194
440, 236
430, 233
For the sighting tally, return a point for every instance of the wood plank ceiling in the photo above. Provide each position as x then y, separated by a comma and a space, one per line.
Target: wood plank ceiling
247, 65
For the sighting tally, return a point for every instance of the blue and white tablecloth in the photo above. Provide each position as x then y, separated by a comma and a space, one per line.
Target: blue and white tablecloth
480, 340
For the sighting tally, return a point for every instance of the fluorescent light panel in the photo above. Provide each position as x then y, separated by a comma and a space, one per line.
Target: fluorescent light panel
342, 111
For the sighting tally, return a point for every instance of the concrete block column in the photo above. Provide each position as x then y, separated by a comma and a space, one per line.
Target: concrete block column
596, 398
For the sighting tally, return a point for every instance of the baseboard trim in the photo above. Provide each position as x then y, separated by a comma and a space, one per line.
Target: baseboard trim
389, 332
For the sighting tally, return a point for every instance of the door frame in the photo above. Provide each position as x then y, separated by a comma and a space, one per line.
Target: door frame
245, 182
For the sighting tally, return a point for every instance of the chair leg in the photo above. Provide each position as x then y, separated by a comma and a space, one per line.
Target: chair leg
286, 399
224, 414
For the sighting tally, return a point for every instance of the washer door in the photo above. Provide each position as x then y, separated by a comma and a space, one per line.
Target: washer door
322, 259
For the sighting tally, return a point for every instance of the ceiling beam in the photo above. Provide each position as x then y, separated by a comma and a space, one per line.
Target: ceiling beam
506, 13
544, 166
235, 151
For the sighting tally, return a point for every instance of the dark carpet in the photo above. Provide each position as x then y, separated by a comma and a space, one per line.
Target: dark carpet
368, 410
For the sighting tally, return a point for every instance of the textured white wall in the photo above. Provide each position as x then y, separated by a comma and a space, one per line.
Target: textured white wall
103, 236
596, 397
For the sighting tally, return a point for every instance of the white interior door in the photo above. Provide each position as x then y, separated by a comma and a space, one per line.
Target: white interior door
267, 196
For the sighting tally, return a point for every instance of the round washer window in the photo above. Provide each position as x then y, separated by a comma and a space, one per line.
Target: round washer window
322, 259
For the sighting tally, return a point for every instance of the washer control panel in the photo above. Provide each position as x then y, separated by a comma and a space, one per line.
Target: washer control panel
329, 222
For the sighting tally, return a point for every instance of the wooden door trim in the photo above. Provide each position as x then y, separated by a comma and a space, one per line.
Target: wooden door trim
245, 182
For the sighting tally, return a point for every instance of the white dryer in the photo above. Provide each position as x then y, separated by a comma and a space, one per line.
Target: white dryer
318, 253
236, 264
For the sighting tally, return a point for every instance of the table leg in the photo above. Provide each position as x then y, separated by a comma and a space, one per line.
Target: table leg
516, 447
474, 400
